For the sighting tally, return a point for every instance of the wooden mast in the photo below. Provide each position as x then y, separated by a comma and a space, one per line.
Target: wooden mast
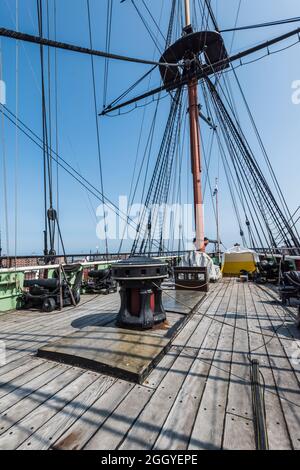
195, 149
187, 13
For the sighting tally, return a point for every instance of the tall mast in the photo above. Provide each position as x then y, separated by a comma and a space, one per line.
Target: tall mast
195, 140
187, 12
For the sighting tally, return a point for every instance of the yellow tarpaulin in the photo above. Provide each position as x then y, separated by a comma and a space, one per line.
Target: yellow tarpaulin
237, 260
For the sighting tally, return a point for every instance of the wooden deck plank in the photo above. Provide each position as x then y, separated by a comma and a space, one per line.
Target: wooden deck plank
51, 420
159, 372
17, 385
287, 385
239, 410
232, 319
18, 370
112, 432
178, 427
276, 427
50, 372
77, 317
37, 318
207, 431
11, 426
87, 425
185, 334
9, 367
157, 410
288, 334
147, 426
239, 433
28, 343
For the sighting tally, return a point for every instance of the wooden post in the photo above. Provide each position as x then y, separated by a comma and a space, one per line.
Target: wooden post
60, 288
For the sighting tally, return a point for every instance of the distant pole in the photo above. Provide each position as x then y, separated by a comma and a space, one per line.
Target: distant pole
218, 218
195, 140
0, 249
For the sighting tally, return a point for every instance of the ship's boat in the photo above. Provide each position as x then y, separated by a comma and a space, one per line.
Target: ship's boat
238, 259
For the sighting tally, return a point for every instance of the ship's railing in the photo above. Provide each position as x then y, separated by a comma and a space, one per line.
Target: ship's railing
280, 252
36, 267
41, 260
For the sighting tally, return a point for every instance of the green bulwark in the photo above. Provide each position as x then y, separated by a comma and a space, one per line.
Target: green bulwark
11, 285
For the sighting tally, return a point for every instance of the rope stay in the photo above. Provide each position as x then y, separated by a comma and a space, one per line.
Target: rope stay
4, 166
271, 218
150, 220
247, 168
50, 214
97, 124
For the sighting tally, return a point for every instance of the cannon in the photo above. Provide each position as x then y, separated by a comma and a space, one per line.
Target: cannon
290, 287
267, 271
62, 290
100, 282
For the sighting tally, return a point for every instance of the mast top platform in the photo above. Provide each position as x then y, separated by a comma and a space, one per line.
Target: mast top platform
186, 52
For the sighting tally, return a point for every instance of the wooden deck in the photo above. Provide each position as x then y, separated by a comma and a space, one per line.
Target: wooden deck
197, 397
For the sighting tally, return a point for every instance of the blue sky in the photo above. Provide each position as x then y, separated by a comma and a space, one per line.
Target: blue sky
267, 85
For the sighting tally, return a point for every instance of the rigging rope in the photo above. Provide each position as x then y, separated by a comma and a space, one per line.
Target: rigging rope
262, 25
160, 183
154, 39
45, 141
10, 116
17, 138
97, 125
56, 120
109, 17
270, 210
154, 21
4, 164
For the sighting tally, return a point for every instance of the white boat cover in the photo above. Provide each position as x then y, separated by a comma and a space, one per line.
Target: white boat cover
202, 260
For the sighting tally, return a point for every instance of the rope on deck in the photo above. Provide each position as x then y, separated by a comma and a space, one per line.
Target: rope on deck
259, 410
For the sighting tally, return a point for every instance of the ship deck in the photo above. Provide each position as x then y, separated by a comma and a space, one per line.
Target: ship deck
199, 396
